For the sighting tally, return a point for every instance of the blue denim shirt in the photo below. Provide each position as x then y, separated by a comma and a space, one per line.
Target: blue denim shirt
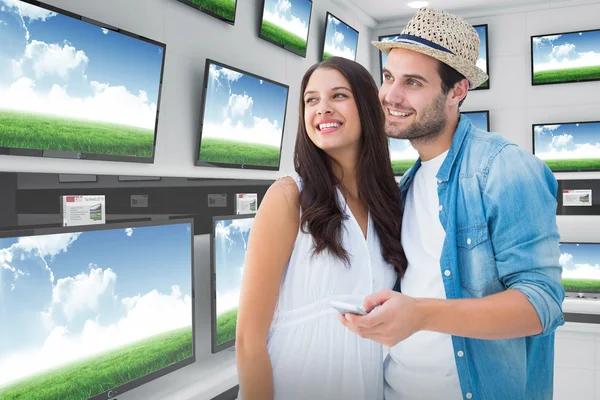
498, 208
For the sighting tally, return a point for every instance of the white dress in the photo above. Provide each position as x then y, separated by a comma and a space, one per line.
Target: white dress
312, 354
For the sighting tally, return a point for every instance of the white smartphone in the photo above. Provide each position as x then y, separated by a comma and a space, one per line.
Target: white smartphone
344, 308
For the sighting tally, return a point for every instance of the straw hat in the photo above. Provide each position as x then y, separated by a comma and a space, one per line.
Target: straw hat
445, 37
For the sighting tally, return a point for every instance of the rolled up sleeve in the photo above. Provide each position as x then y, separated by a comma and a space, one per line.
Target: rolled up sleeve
520, 202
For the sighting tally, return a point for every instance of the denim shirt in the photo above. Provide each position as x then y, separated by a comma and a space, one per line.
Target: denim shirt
498, 208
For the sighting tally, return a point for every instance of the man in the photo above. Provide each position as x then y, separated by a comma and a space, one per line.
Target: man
482, 295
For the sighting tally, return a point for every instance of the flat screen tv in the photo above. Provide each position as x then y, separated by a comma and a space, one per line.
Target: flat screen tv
286, 23
91, 312
481, 119
75, 88
568, 147
243, 119
565, 57
220, 9
581, 267
482, 61
402, 155
229, 241
341, 39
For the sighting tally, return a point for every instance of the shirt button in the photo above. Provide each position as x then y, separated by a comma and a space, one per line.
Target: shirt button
468, 240
447, 272
469, 396
460, 353
441, 207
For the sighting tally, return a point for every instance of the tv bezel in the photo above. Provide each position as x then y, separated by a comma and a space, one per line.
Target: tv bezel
214, 347
212, 14
487, 112
325, 34
200, 163
584, 291
552, 34
281, 45
74, 155
561, 123
487, 59
127, 386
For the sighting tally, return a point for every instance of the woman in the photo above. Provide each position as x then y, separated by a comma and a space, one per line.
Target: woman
330, 232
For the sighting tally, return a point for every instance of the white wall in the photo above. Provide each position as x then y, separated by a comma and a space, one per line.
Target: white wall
192, 36
514, 106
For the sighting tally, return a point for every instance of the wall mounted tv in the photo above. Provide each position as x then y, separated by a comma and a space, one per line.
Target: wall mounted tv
481, 119
229, 241
74, 88
243, 119
581, 267
92, 312
341, 39
286, 23
568, 147
402, 155
565, 57
220, 9
482, 61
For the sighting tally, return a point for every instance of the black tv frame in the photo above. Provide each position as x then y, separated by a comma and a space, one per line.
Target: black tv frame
215, 348
325, 34
487, 58
552, 34
577, 294
212, 14
108, 394
561, 123
487, 112
283, 46
10, 151
200, 163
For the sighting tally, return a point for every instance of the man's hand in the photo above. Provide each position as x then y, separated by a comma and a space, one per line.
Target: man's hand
397, 318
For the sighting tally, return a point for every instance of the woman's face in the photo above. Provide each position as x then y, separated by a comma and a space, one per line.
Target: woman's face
330, 112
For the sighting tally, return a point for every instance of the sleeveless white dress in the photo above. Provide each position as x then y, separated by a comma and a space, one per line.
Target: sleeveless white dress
312, 354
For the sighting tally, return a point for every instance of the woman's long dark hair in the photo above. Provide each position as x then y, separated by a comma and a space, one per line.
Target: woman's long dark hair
321, 214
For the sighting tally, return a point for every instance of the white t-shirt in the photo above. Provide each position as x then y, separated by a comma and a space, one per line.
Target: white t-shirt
422, 367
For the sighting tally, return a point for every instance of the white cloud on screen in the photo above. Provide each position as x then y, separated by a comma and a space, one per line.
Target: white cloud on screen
227, 301
283, 17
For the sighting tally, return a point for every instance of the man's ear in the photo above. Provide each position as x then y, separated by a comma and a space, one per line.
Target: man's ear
459, 91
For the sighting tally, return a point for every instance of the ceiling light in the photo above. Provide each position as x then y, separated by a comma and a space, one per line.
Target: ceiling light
418, 4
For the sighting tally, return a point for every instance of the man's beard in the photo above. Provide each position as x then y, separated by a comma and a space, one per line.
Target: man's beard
429, 126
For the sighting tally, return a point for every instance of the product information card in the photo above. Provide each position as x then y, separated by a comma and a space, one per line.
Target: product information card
83, 210
577, 198
246, 203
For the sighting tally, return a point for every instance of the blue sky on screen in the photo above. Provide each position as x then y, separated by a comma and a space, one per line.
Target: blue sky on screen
567, 141
479, 119
580, 260
572, 50
243, 108
231, 239
401, 149
54, 64
291, 15
340, 39
66, 296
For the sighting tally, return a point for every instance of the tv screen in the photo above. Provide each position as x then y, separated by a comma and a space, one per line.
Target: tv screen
482, 61
481, 119
243, 119
91, 312
565, 57
581, 267
286, 24
229, 244
341, 39
75, 88
221, 9
402, 155
568, 147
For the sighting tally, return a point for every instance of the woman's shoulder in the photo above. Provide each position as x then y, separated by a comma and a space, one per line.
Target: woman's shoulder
286, 188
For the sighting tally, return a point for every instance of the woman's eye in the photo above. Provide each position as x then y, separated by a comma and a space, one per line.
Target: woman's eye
309, 100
